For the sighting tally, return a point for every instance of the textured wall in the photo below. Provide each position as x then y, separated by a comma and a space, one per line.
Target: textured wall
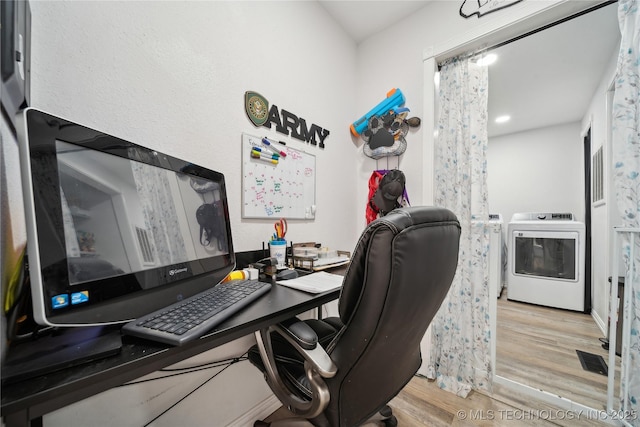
172, 76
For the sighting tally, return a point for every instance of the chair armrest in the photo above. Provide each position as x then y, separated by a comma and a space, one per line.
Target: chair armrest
305, 341
298, 330
318, 365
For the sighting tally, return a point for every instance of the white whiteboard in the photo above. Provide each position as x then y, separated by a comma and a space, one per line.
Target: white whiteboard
286, 189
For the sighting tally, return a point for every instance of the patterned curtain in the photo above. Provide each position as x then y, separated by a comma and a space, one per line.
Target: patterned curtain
160, 214
460, 352
626, 153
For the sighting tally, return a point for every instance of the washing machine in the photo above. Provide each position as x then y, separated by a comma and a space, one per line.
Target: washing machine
546, 260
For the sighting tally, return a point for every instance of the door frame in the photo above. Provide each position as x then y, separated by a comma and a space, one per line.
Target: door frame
586, 141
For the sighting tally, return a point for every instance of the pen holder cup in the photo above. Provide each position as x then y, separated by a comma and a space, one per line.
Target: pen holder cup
278, 250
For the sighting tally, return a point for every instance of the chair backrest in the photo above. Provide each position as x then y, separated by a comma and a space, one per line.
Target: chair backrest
399, 275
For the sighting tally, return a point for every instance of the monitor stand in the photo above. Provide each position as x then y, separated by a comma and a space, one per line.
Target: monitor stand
63, 348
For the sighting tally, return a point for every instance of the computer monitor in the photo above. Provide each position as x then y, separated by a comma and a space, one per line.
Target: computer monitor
115, 230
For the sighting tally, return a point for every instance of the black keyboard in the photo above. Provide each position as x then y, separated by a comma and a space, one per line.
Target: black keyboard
190, 319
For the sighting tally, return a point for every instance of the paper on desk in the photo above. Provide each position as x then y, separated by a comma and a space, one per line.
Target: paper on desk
315, 282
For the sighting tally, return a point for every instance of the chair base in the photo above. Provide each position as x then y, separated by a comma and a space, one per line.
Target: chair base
384, 418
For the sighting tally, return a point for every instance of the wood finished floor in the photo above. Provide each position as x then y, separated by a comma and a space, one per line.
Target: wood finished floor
535, 346
422, 404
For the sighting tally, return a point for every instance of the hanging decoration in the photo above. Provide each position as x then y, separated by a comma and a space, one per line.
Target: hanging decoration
385, 135
387, 191
384, 127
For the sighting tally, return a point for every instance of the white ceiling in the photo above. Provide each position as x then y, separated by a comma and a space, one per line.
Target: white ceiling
363, 18
541, 80
550, 77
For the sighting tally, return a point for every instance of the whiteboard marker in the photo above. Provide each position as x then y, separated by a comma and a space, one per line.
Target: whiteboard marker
266, 142
275, 155
265, 157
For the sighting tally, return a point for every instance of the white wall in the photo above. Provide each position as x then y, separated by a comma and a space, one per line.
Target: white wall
172, 76
603, 215
537, 171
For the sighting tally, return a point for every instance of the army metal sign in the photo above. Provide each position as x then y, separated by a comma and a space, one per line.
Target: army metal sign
260, 114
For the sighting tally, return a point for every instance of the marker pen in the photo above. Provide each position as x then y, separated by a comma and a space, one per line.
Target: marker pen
266, 142
264, 157
276, 155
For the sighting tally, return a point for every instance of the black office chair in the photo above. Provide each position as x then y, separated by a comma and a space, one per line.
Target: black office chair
400, 273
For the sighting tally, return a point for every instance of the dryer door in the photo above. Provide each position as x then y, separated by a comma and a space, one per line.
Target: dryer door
547, 268
552, 255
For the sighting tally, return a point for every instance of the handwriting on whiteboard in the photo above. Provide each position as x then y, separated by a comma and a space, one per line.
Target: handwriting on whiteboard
283, 189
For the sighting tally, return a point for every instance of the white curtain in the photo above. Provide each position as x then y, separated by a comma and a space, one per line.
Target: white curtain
460, 353
160, 214
626, 153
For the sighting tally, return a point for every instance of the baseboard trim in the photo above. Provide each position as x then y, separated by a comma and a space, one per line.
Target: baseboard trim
601, 323
558, 401
260, 411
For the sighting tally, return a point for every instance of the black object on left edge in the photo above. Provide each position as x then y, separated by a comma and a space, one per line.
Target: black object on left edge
61, 349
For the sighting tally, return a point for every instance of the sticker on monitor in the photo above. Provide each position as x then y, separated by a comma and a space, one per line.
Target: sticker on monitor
60, 301
79, 297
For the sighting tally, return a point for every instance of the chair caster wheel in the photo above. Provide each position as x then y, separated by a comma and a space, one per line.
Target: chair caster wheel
391, 422
261, 424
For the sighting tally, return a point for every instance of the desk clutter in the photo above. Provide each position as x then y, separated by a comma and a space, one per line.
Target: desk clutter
315, 283
312, 256
308, 256
278, 244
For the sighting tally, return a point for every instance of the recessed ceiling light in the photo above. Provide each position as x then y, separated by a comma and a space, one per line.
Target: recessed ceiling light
503, 119
487, 59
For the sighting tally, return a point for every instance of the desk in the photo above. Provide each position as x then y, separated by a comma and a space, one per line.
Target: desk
24, 403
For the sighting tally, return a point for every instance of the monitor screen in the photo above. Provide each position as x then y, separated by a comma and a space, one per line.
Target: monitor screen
115, 230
